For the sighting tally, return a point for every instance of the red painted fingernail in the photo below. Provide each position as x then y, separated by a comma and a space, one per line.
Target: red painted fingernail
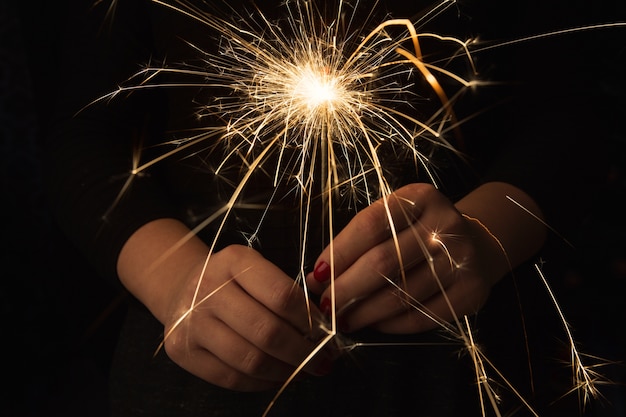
322, 272
325, 306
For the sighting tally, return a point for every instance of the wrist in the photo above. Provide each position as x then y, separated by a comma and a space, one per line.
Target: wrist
156, 259
510, 220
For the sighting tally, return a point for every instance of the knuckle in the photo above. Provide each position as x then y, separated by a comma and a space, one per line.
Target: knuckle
457, 222
368, 221
232, 252
284, 297
385, 258
267, 334
422, 189
176, 346
415, 191
231, 380
254, 362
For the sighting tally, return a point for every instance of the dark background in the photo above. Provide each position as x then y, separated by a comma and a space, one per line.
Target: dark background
59, 322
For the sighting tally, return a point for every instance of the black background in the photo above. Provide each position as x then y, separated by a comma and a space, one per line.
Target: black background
59, 323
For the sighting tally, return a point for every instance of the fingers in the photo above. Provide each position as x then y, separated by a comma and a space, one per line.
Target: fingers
465, 297
396, 298
253, 371
271, 287
249, 326
370, 227
419, 246
389, 261
263, 329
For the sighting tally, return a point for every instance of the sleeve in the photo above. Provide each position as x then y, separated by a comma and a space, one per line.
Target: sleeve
89, 149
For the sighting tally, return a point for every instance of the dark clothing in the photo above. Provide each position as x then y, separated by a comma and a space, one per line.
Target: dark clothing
92, 153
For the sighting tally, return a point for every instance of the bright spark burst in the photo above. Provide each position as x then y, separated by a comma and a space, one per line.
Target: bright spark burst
310, 86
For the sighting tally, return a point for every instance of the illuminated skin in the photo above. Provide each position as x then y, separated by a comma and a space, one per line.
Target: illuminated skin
254, 339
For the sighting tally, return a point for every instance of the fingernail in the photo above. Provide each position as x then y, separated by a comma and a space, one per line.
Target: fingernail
325, 306
322, 272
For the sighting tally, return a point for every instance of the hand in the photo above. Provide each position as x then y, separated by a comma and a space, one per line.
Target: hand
248, 328
412, 249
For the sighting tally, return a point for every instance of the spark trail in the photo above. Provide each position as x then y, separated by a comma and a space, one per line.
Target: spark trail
317, 101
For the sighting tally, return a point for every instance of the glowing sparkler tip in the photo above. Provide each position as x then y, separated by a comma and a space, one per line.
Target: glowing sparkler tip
316, 88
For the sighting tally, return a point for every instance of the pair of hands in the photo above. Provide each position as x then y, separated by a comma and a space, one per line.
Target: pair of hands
246, 325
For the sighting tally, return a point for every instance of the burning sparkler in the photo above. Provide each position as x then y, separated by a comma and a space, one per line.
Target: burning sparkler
317, 102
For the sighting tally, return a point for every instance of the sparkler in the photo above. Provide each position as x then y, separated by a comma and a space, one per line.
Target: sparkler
317, 103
